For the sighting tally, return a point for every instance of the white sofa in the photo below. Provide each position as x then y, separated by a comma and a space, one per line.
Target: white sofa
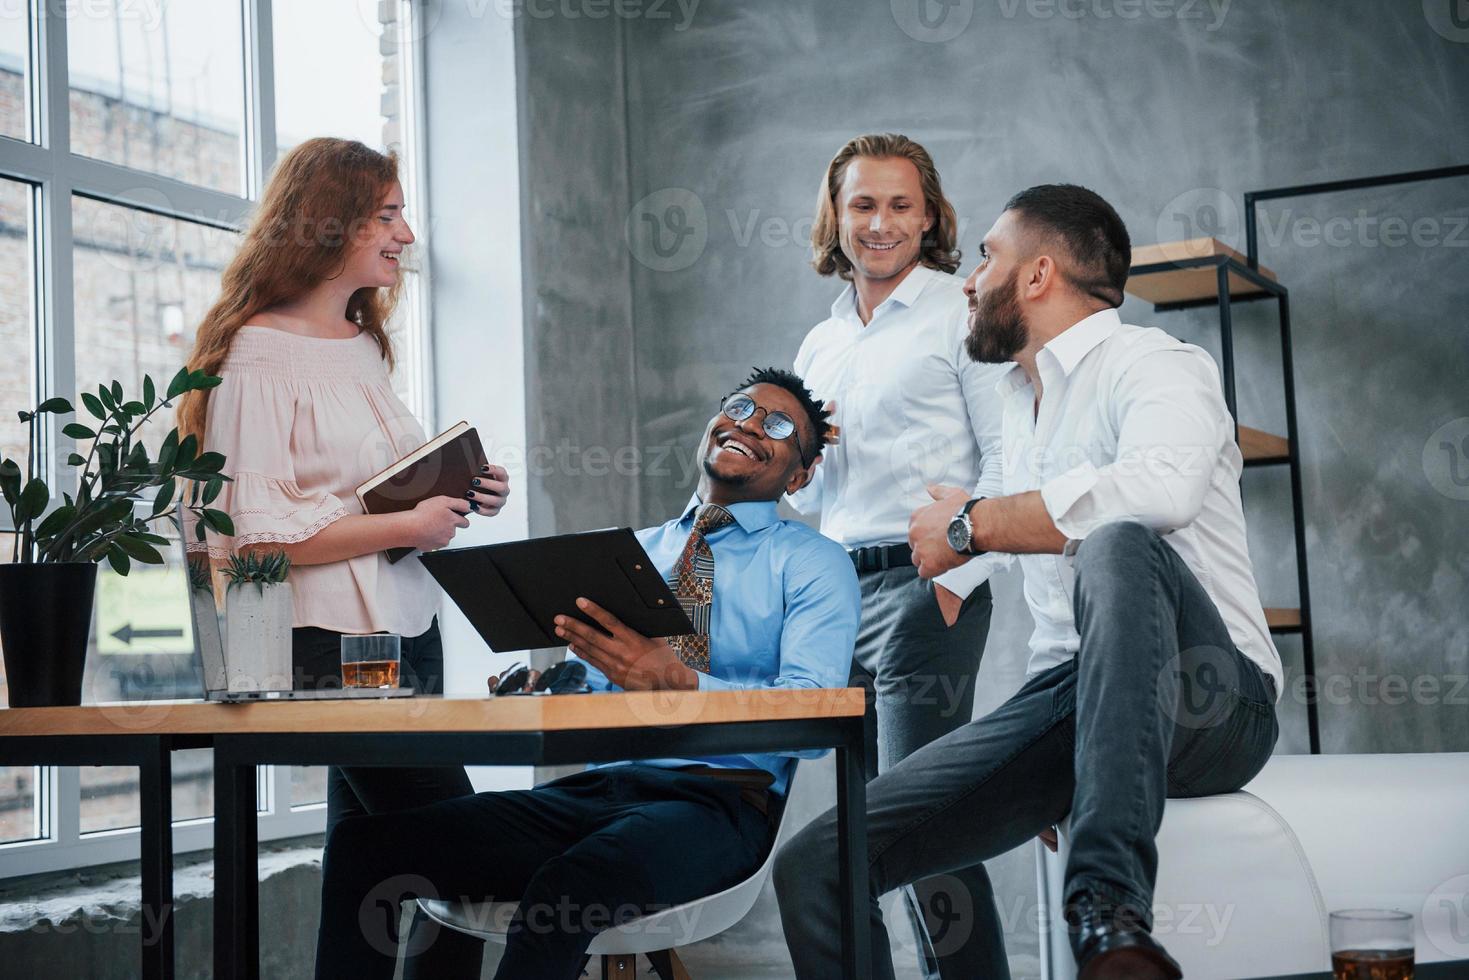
1245, 880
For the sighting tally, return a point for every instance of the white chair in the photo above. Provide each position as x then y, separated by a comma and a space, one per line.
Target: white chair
1245, 880
656, 936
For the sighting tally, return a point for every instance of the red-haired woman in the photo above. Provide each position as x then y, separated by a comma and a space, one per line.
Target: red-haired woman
306, 412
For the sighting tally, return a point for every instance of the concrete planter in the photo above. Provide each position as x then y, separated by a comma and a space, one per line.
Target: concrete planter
257, 648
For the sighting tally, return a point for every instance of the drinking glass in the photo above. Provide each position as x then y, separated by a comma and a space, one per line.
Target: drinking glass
1371, 944
371, 660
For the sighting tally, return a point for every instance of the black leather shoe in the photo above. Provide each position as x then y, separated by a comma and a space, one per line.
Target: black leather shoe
1112, 945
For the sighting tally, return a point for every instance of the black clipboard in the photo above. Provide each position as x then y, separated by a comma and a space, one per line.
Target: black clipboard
511, 593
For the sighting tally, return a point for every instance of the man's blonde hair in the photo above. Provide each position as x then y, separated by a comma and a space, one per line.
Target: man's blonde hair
940, 247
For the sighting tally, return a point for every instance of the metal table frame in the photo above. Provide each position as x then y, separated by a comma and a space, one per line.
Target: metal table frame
236, 897
152, 756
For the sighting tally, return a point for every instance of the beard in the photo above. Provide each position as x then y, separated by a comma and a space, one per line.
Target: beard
997, 328
728, 479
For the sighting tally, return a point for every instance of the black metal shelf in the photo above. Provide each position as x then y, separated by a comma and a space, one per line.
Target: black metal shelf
1239, 281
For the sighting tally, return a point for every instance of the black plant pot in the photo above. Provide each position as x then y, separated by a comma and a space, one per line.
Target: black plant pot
45, 618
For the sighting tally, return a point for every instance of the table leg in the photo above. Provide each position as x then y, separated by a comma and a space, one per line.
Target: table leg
852, 853
236, 894
155, 795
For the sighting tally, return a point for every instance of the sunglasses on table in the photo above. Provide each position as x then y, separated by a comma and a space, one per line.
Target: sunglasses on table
566, 677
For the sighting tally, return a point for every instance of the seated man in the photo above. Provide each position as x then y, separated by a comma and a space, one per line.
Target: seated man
1152, 673
774, 605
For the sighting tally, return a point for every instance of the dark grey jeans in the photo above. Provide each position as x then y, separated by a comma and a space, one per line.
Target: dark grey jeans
920, 675
1157, 703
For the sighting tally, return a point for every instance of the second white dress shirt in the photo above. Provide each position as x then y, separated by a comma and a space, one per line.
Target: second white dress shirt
1132, 426
914, 410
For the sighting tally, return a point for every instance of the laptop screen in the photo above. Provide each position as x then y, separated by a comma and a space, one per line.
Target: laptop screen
205, 591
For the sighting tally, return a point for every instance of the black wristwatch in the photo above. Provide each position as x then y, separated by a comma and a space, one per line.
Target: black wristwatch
961, 530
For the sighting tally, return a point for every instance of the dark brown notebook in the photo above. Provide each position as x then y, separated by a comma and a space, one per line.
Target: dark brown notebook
443, 466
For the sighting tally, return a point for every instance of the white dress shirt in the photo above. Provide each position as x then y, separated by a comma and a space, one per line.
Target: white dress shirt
914, 410
1132, 426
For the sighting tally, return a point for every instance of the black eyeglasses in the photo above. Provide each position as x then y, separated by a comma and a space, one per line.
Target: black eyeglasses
777, 425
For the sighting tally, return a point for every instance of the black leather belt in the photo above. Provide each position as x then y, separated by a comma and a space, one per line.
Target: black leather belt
881, 556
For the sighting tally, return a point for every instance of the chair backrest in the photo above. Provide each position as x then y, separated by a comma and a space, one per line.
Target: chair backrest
680, 925
1384, 831
1310, 834
702, 918
1235, 896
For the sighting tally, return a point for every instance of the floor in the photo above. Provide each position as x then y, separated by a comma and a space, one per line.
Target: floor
713, 964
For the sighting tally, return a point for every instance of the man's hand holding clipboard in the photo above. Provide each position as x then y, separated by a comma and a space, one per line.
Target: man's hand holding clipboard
630, 660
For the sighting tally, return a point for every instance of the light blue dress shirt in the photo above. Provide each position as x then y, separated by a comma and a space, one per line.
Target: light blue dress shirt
785, 613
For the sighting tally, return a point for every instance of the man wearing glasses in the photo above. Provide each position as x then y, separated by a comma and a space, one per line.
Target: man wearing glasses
913, 411
773, 604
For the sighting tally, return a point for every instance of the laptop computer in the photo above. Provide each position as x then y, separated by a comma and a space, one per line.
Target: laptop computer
208, 631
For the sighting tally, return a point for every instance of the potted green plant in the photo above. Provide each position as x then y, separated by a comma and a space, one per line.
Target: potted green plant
257, 622
46, 591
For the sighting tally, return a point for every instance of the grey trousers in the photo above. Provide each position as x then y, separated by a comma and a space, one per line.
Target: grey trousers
1157, 703
920, 675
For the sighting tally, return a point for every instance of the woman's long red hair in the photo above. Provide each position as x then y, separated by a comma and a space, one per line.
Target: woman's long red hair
319, 199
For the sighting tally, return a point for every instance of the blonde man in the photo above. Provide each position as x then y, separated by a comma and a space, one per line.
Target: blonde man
913, 410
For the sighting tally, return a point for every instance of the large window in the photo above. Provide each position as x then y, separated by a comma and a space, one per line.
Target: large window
134, 139
15, 72
160, 87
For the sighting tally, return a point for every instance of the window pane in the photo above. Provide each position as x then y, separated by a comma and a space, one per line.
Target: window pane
19, 815
17, 292
354, 86
20, 819
308, 785
110, 793
15, 56
160, 87
142, 284
142, 648
406, 331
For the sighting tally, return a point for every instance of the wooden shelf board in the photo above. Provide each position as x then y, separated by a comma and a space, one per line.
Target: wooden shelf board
1187, 285
1282, 620
1262, 447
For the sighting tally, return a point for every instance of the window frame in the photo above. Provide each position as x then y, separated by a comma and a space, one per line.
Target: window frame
55, 175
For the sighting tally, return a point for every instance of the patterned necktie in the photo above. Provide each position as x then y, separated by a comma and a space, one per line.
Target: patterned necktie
694, 586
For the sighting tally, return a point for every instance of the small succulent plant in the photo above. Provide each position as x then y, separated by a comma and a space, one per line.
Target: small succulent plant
261, 568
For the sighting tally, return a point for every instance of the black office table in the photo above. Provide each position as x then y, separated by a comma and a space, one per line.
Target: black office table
521, 731
116, 735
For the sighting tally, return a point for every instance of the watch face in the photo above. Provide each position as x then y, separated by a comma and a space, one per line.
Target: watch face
959, 534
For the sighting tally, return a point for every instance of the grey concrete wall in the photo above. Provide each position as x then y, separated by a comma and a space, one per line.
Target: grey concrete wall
1171, 118
582, 408
1171, 111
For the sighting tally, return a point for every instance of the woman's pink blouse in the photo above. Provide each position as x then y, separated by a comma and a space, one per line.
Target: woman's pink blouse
302, 421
